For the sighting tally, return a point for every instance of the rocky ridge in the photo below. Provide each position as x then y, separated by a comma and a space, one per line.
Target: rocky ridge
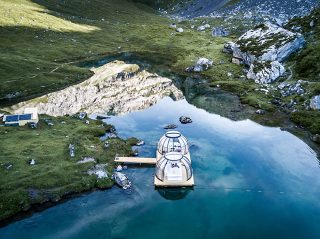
263, 49
255, 10
116, 87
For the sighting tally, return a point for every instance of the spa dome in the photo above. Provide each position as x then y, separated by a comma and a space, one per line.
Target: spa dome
173, 141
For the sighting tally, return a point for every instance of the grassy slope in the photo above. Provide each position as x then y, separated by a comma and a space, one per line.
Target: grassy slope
38, 57
40, 42
55, 174
43, 41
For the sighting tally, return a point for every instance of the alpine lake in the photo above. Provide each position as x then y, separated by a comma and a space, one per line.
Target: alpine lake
251, 181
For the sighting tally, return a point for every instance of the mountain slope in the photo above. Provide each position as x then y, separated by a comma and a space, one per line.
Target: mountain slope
283, 10
44, 42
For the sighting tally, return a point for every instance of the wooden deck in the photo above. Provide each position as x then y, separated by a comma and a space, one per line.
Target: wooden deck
135, 160
153, 161
158, 183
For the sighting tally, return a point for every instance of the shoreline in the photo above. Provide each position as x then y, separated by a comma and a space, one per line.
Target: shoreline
39, 207
301, 133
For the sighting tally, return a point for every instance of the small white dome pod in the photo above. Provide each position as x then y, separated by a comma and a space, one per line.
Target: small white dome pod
173, 167
173, 141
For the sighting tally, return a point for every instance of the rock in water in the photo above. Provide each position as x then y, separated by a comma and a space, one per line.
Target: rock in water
140, 143
119, 168
315, 102
170, 126
316, 138
185, 120
263, 49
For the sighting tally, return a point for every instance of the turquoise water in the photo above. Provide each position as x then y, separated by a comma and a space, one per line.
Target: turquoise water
251, 182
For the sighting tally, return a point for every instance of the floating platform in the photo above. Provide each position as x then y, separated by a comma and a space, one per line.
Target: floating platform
172, 162
173, 184
135, 160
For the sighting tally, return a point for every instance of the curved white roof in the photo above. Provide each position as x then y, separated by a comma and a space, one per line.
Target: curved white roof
173, 141
174, 166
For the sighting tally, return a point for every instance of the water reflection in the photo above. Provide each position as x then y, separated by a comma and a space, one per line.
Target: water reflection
196, 90
251, 182
174, 193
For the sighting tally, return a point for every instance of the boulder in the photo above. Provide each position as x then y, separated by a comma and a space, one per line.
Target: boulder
312, 23
180, 30
201, 65
173, 25
315, 102
32, 162
98, 170
229, 47
260, 112
203, 27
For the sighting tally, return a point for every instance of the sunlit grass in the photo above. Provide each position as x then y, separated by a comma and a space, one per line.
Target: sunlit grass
55, 173
25, 13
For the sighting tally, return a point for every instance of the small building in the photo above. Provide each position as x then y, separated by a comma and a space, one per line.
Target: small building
173, 168
30, 115
173, 162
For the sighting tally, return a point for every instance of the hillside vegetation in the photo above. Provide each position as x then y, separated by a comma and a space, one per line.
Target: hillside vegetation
42, 42
306, 66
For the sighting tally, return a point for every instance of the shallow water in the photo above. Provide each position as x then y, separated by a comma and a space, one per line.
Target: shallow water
251, 182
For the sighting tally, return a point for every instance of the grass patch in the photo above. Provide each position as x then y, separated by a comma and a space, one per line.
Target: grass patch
307, 64
55, 173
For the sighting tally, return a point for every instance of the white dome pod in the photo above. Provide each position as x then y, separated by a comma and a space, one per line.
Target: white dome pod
174, 167
173, 141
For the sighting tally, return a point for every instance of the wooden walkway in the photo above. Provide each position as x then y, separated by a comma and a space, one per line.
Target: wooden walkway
135, 160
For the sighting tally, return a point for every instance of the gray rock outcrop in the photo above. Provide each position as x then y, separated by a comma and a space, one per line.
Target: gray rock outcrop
202, 64
263, 49
315, 102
